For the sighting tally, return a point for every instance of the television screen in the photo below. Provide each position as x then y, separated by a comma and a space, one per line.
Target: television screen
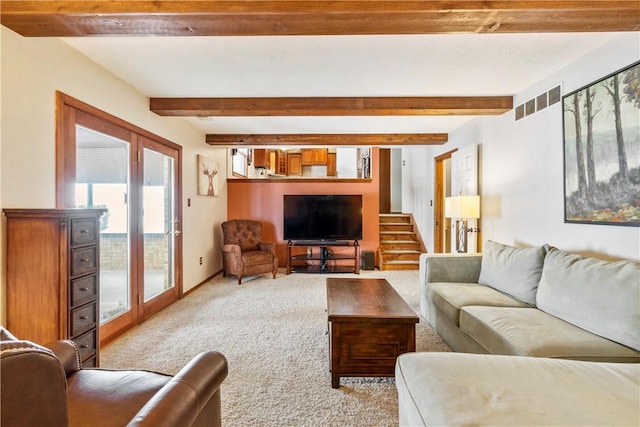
322, 217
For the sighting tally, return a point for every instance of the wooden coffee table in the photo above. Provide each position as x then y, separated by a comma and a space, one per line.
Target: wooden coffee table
370, 325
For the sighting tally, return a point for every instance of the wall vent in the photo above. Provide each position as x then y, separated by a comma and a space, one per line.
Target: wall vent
538, 103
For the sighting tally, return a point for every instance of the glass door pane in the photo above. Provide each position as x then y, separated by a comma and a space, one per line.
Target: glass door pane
159, 223
102, 180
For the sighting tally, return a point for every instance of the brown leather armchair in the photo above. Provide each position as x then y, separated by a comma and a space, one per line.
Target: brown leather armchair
244, 253
47, 387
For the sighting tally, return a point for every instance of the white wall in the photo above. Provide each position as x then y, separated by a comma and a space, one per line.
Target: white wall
521, 168
33, 69
396, 180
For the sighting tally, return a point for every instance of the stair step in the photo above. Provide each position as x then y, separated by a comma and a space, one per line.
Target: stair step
387, 226
405, 245
403, 261
385, 218
391, 257
400, 265
400, 251
397, 235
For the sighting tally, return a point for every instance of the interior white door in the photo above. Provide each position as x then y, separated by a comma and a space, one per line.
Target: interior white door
464, 182
464, 178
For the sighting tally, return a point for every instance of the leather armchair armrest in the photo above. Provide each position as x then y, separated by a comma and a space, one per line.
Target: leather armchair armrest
180, 401
268, 247
231, 248
67, 352
33, 386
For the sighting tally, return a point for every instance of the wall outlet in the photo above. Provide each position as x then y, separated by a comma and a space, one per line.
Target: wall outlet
200, 260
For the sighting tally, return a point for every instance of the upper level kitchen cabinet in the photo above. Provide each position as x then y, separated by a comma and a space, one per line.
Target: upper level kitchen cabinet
314, 156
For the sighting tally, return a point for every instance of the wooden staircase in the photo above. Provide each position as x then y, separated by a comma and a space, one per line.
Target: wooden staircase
400, 242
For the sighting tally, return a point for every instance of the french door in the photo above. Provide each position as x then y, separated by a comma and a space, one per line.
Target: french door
108, 163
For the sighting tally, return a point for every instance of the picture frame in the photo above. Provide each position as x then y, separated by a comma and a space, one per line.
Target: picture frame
601, 146
208, 177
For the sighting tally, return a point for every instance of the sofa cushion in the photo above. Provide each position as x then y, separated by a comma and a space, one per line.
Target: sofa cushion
532, 332
514, 271
599, 296
457, 389
448, 298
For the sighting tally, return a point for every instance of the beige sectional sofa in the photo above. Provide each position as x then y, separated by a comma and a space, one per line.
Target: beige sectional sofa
533, 302
564, 313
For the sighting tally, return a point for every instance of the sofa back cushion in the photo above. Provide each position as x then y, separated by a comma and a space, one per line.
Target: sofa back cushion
514, 271
600, 296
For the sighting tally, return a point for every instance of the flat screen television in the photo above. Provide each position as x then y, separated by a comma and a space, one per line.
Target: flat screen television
322, 217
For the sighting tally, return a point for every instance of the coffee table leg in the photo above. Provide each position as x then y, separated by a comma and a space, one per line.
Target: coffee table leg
335, 380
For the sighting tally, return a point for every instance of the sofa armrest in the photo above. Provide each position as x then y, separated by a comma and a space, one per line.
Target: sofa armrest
180, 401
461, 268
67, 352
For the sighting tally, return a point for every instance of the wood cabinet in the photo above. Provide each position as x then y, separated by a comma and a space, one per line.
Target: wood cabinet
52, 286
314, 156
294, 164
278, 162
331, 164
260, 160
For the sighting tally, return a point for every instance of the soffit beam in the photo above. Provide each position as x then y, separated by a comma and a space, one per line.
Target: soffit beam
332, 106
304, 17
327, 140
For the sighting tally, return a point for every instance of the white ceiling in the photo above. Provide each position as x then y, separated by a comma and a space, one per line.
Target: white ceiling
291, 66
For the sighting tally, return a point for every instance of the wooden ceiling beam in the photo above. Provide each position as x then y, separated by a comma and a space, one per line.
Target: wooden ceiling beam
326, 140
303, 17
332, 106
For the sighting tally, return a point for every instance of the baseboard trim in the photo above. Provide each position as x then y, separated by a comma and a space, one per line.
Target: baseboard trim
184, 294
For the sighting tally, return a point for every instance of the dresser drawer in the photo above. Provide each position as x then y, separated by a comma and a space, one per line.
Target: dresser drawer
89, 363
83, 290
83, 319
83, 260
83, 232
86, 344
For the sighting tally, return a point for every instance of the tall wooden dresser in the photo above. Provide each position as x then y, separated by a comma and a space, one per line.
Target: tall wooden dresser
53, 277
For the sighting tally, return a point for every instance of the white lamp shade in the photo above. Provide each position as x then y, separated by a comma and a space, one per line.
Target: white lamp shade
462, 207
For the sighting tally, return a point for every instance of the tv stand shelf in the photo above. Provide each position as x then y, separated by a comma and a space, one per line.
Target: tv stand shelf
323, 258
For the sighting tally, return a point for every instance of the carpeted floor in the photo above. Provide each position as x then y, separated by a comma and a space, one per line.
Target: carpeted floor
273, 333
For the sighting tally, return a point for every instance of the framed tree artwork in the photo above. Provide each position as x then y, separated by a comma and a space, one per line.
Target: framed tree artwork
601, 125
207, 176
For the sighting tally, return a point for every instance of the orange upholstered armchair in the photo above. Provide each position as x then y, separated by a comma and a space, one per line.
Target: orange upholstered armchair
244, 253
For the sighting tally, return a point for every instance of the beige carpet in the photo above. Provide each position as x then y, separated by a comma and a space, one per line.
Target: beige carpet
273, 333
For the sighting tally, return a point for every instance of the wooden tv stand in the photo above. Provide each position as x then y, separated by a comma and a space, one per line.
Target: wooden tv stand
324, 258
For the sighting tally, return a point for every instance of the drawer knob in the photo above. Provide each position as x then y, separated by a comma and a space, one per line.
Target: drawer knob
84, 259
84, 231
84, 289
84, 346
84, 317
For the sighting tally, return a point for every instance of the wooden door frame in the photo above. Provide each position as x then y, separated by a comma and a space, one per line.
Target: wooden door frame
438, 202
71, 111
